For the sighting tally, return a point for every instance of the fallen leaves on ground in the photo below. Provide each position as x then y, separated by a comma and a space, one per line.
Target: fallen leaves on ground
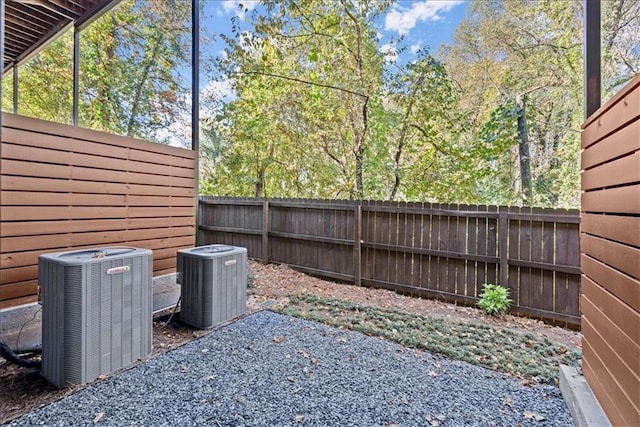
533, 416
98, 417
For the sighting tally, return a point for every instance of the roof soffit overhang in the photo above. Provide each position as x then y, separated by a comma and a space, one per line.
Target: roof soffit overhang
29, 25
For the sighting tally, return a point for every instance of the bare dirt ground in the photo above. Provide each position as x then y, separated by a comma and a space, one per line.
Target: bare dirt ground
22, 389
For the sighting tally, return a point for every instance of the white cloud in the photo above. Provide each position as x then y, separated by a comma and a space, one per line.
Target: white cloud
219, 89
390, 53
415, 47
402, 19
233, 6
178, 133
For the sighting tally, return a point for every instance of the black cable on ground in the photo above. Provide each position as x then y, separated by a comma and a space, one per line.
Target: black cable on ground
173, 312
10, 356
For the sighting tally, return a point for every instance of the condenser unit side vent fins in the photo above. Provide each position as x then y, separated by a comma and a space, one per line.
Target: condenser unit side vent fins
213, 284
97, 312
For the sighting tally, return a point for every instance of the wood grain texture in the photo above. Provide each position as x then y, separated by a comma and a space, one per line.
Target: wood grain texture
610, 246
27, 183
622, 229
618, 200
611, 397
39, 228
64, 188
620, 171
621, 257
618, 112
623, 286
621, 143
622, 315
8, 303
43, 127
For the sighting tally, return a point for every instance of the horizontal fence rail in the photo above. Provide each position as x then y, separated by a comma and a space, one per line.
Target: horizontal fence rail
423, 249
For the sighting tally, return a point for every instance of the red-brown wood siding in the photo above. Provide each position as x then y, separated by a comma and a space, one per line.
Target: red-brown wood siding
610, 245
65, 188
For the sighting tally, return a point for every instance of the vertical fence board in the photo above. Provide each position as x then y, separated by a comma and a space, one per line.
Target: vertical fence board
482, 249
413, 233
368, 236
573, 280
461, 247
492, 246
549, 278
380, 260
424, 241
452, 245
561, 255
472, 249
264, 255
567, 252
348, 233
434, 261
357, 247
443, 245
527, 281
400, 255
536, 254
513, 252
393, 240
275, 243
311, 254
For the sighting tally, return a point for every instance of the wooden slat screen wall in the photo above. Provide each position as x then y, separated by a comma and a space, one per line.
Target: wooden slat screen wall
433, 250
65, 188
610, 241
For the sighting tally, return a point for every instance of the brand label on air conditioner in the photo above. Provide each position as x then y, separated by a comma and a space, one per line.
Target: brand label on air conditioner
118, 270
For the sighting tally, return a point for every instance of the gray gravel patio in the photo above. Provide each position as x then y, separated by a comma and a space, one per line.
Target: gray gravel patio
268, 369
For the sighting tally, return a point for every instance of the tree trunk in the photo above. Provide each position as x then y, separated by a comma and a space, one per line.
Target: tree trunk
260, 183
523, 138
359, 130
140, 85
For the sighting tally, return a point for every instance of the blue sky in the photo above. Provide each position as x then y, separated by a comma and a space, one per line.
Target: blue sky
423, 23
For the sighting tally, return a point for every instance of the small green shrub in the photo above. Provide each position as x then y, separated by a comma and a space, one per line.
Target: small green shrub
494, 299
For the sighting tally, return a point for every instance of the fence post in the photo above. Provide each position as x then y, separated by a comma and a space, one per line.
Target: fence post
357, 247
503, 249
199, 219
265, 232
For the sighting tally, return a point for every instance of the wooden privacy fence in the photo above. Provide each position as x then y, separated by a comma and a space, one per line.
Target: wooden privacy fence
611, 255
431, 250
64, 188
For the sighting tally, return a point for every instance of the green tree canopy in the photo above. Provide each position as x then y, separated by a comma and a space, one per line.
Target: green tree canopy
130, 62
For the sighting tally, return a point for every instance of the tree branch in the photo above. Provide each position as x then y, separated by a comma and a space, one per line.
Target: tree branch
437, 147
297, 80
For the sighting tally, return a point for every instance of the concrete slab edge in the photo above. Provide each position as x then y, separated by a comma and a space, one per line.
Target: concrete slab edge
20, 326
582, 403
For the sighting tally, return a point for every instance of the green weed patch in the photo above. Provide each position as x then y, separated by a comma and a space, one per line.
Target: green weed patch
522, 355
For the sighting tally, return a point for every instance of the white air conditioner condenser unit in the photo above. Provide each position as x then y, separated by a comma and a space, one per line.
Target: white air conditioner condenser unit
96, 312
213, 283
